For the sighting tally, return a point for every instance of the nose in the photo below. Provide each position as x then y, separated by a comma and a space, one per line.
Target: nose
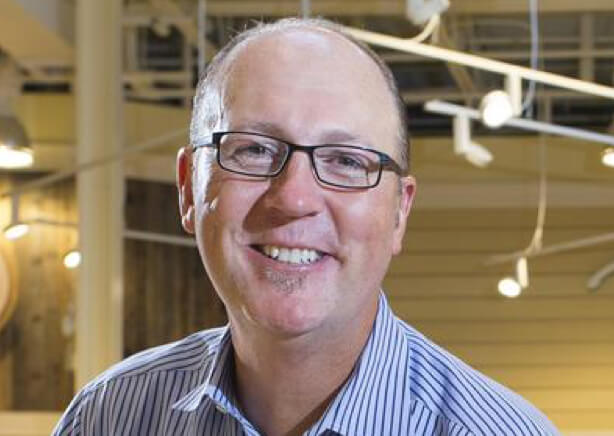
295, 192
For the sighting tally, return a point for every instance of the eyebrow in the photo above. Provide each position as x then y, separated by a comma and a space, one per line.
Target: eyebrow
328, 136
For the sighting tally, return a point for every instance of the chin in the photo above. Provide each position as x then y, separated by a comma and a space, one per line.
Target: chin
287, 312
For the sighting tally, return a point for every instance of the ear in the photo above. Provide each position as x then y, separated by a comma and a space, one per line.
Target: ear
406, 198
184, 188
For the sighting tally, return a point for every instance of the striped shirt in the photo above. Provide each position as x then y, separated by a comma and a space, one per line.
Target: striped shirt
402, 384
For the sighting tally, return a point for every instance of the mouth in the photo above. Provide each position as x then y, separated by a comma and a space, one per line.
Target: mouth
290, 255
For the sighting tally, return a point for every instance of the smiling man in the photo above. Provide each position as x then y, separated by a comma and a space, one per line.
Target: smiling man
296, 188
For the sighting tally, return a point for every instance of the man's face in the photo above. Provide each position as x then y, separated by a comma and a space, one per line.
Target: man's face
306, 88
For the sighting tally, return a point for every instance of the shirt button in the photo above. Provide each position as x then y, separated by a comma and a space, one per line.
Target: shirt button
221, 409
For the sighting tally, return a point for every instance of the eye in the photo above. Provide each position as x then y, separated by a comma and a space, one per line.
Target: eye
343, 160
350, 161
253, 150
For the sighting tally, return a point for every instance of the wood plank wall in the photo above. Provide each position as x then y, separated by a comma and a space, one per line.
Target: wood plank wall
35, 371
554, 344
168, 293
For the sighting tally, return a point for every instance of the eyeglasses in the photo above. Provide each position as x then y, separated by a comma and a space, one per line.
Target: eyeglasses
344, 166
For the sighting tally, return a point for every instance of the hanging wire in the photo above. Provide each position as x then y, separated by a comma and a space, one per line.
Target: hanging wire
534, 22
536, 243
430, 28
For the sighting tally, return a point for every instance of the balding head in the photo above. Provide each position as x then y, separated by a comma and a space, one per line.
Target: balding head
215, 91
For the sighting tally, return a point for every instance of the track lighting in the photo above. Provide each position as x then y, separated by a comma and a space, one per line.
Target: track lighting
607, 157
16, 228
509, 287
475, 153
478, 155
72, 259
496, 108
15, 151
512, 287
522, 272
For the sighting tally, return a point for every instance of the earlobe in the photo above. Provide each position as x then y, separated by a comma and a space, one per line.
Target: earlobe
184, 189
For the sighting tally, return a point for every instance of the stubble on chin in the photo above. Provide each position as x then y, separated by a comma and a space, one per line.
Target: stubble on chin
283, 282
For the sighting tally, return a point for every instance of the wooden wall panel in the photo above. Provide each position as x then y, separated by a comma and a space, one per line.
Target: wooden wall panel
168, 294
33, 348
554, 344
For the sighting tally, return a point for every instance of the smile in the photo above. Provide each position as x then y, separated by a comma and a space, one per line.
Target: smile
295, 256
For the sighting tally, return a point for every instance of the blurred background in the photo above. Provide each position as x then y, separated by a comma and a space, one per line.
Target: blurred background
95, 99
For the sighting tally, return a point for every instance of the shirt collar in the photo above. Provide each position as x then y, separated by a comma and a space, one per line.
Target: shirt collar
380, 374
380, 379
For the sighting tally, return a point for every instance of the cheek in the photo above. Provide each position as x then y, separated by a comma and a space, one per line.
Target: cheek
366, 224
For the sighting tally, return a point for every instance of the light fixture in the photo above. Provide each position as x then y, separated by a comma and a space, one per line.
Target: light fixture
475, 153
496, 108
420, 11
161, 27
16, 228
15, 151
509, 287
72, 259
478, 155
607, 157
522, 272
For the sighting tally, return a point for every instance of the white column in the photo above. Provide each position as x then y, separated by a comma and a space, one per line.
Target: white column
100, 191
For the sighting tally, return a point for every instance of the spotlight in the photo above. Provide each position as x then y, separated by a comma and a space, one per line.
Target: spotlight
72, 259
475, 153
15, 151
607, 157
478, 155
16, 230
522, 272
161, 28
496, 108
509, 287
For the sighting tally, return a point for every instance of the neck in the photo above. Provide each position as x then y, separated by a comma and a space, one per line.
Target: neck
285, 385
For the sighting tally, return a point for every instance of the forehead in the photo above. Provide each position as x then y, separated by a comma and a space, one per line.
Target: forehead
309, 81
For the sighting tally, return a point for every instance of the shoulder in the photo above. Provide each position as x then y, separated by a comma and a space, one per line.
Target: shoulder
189, 353
448, 392
177, 367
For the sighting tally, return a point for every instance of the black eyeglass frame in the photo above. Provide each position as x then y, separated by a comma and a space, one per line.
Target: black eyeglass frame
385, 161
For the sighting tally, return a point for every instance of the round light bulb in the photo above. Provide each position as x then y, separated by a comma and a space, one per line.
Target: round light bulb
496, 108
607, 157
509, 287
15, 157
72, 259
16, 231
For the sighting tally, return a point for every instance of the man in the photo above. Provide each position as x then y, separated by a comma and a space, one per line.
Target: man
296, 240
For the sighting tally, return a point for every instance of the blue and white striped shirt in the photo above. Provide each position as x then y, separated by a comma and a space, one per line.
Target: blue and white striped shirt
402, 384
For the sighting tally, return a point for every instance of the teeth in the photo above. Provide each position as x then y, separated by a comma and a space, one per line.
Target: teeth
296, 256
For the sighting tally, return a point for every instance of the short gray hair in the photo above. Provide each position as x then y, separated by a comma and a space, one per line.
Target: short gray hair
208, 101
